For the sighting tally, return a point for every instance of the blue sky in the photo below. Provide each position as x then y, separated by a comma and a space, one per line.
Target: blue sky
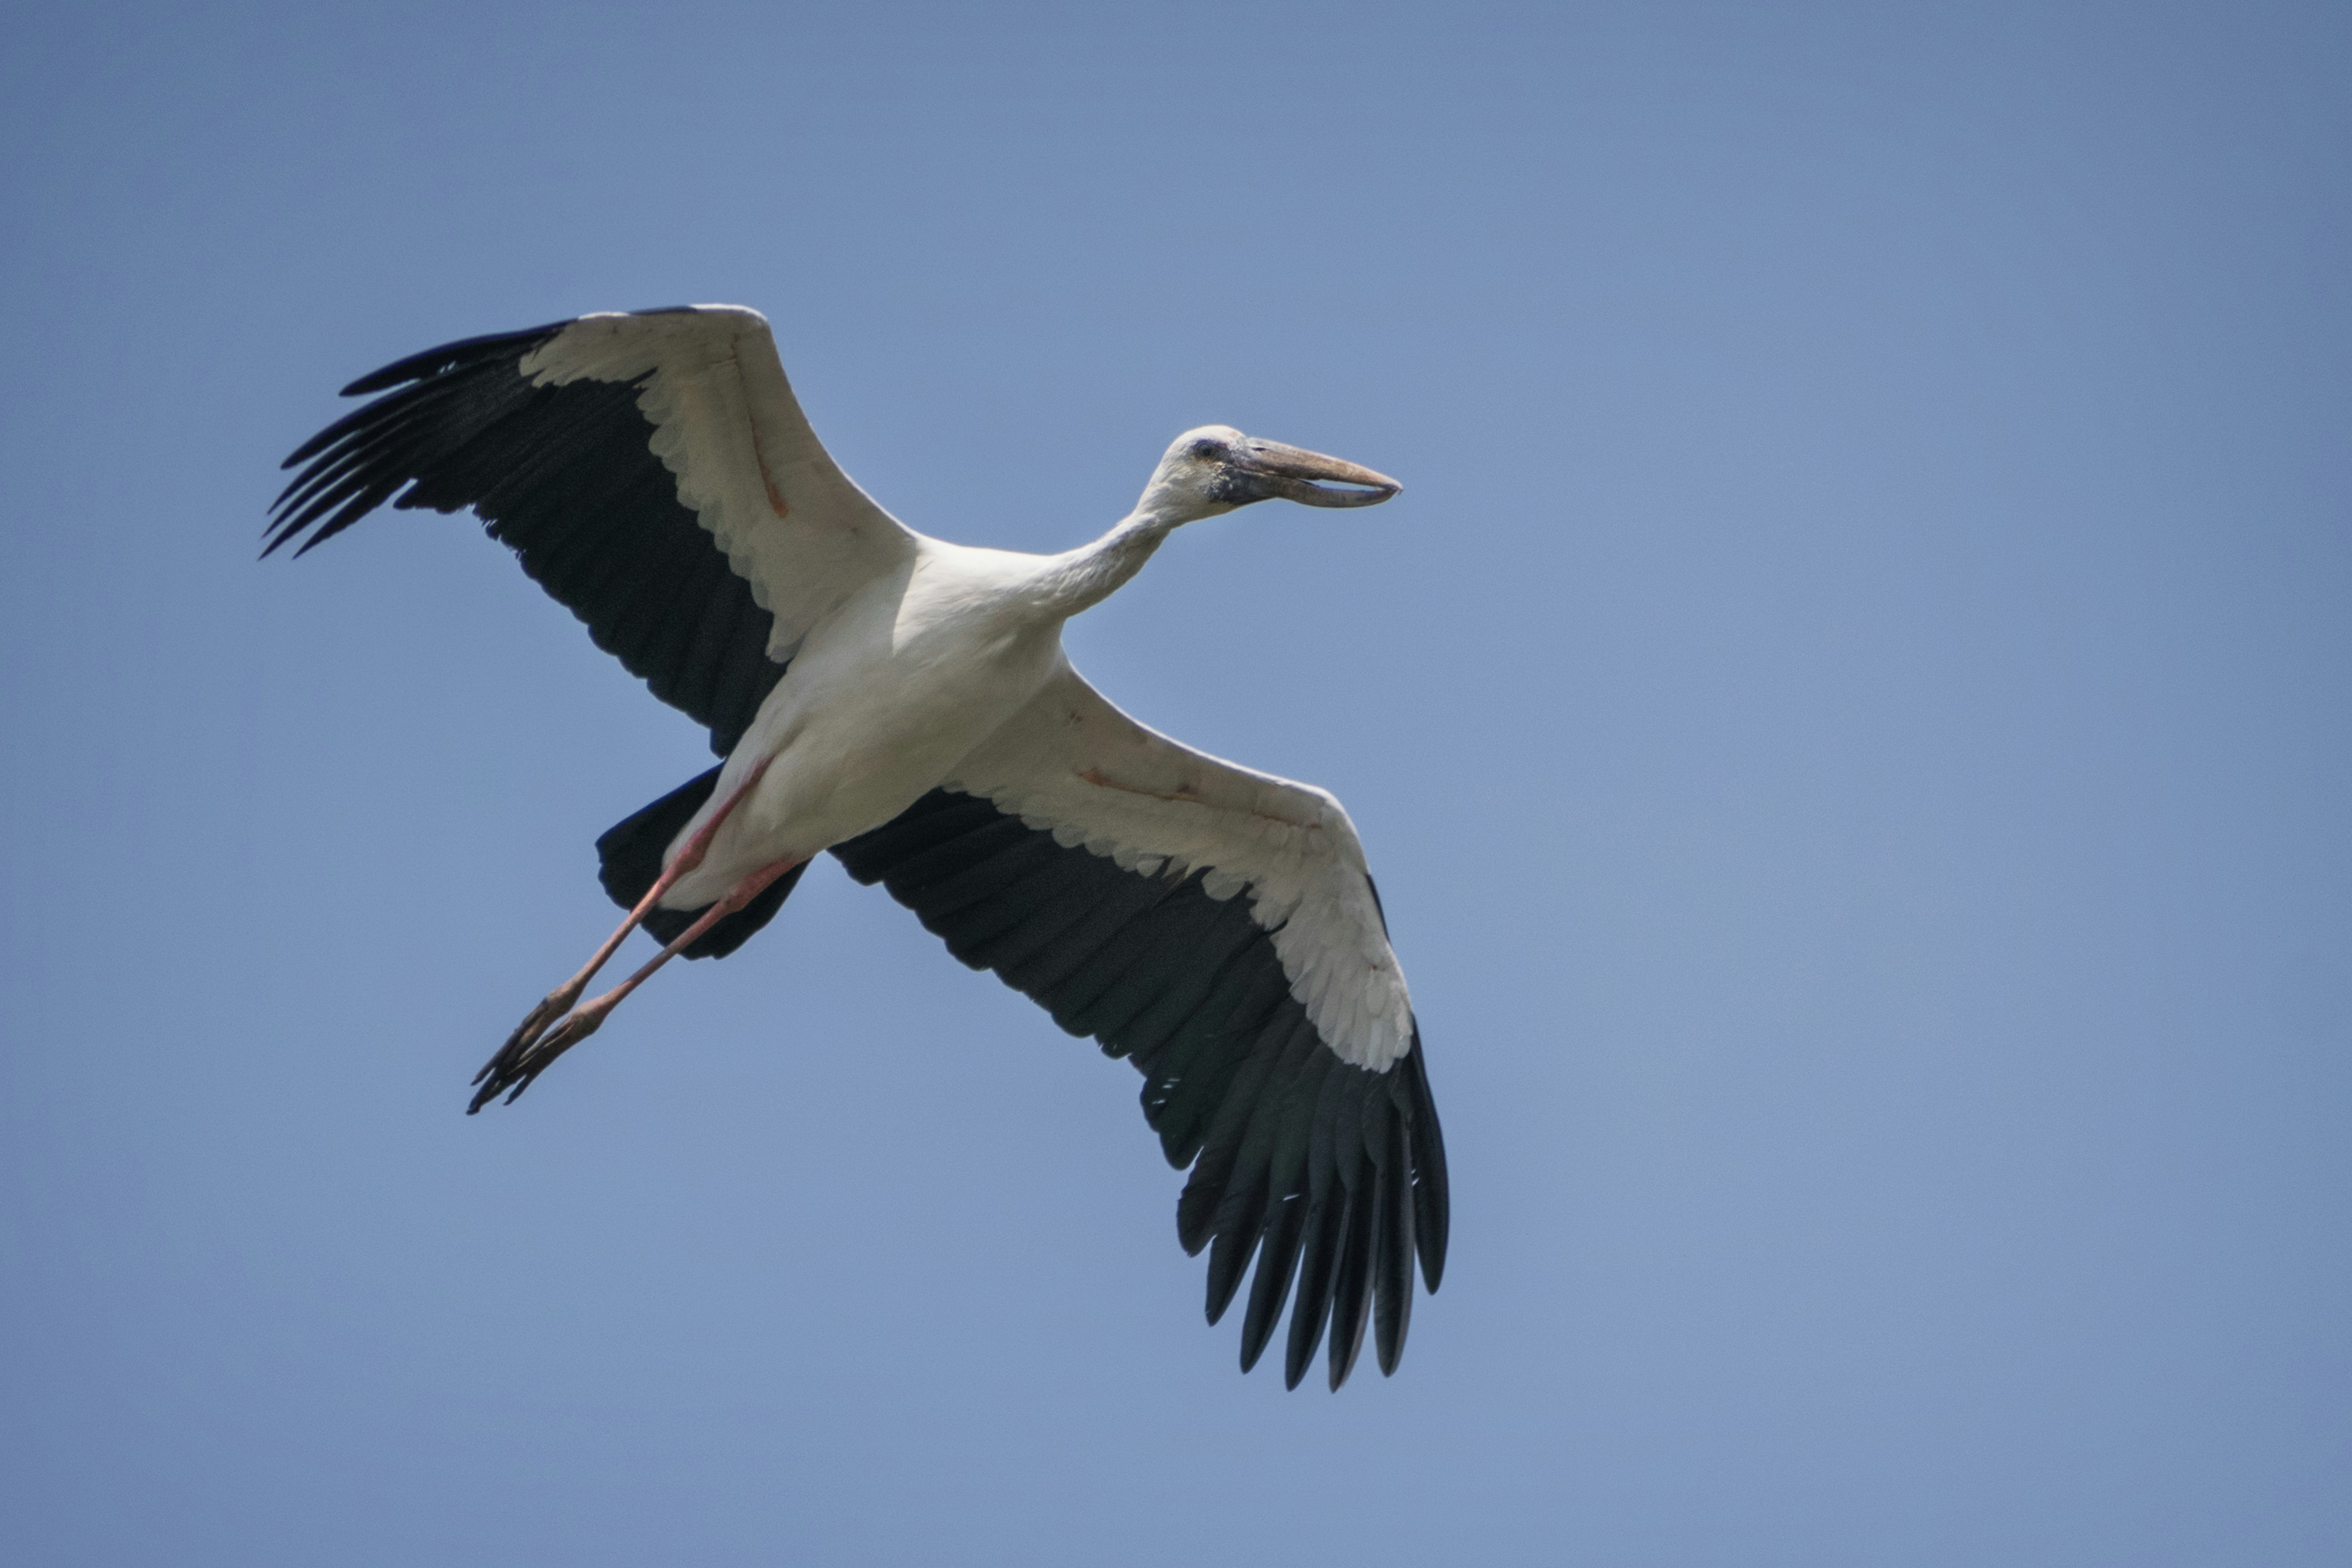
1850, 717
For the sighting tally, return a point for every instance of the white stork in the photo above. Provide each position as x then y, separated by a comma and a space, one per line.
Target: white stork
906, 703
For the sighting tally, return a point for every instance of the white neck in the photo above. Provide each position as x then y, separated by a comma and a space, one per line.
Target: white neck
1082, 578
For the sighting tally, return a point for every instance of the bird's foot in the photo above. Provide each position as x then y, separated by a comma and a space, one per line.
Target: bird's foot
533, 1046
551, 1007
527, 1053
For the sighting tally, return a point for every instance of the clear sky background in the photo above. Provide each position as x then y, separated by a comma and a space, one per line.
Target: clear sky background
1850, 715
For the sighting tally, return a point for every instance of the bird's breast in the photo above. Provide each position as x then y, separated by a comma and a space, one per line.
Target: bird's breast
859, 728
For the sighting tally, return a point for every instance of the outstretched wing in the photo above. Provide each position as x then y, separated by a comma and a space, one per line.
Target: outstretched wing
1216, 927
653, 471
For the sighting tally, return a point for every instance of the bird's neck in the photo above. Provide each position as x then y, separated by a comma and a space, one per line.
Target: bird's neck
1082, 578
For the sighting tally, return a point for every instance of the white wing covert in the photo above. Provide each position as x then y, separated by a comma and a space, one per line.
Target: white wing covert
1075, 765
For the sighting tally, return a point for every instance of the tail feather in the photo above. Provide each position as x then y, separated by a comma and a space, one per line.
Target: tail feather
629, 861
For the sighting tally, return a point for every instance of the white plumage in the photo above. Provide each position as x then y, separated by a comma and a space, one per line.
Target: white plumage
906, 703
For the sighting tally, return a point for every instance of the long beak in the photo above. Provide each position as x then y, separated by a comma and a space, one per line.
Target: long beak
1296, 474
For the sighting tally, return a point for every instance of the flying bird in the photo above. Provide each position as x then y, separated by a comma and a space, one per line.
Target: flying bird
906, 704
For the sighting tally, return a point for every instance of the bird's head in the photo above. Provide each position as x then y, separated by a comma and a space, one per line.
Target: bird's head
1216, 469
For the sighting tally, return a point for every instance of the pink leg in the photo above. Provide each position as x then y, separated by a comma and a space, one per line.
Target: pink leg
532, 1060
558, 1002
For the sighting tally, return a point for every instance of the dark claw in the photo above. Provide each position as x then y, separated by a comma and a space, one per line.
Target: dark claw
526, 1054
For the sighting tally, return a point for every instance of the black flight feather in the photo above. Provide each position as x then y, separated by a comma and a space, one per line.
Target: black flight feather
1318, 1180
567, 478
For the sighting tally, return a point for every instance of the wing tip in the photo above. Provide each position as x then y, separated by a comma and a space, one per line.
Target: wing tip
1432, 1198
449, 356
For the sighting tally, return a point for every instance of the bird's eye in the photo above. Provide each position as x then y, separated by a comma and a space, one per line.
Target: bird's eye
1208, 449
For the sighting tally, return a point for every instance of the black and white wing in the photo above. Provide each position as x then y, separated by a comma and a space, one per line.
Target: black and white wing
653, 471
1217, 927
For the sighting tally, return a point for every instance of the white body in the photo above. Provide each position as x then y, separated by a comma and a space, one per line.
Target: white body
915, 664
885, 696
